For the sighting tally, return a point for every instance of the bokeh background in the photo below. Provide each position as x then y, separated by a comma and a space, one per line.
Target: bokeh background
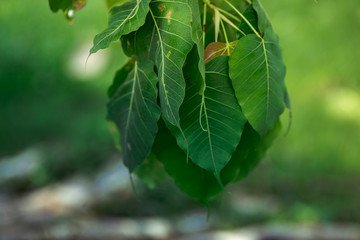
62, 178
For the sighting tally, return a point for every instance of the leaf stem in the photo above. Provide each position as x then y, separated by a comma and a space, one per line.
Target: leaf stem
231, 23
244, 18
204, 23
225, 35
223, 17
229, 14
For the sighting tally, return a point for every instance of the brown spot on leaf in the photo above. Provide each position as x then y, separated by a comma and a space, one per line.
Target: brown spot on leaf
79, 4
161, 7
168, 16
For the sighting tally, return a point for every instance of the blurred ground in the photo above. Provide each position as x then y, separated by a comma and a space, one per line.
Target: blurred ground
61, 176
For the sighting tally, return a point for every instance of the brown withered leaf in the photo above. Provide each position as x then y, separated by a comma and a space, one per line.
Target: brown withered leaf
216, 49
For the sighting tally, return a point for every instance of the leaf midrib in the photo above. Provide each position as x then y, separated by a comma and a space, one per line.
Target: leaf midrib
131, 105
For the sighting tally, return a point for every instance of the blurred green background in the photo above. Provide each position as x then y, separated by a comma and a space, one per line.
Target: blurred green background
49, 102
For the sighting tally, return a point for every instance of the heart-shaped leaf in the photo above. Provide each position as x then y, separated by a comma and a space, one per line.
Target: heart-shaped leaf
257, 72
213, 122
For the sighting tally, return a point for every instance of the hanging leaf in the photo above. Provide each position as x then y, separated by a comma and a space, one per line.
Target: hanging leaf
219, 106
134, 110
69, 7
135, 45
56, 5
213, 138
120, 77
190, 178
257, 72
172, 40
151, 171
197, 37
216, 49
199, 183
250, 151
122, 20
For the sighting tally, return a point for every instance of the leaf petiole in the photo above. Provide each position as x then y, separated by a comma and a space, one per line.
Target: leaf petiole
221, 13
229, 14
226, 39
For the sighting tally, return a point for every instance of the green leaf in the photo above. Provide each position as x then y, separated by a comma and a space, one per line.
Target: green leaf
172, 41
191, 179
151, 171
250, 151
56, 5
112, 3
120, 77
136, 44
263, 20
251, 16
197, 36
199, 183
212, 139
257, 72
122, 20
135, 111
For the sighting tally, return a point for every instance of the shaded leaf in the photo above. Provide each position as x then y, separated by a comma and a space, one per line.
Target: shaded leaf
251, 16
136, 44
197, 36
216, 49
251, 149
190, 178
257, 72
135, 111
151, 171
172, 41
120, 77
122, 20
199, 183
213, 138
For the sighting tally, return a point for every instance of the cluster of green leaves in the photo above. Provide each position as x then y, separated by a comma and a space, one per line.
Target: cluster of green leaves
201, 95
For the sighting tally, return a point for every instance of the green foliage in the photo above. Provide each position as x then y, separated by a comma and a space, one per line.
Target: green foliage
257, 72
123, 19
218, 118
213, 136
137, 120
171, 42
